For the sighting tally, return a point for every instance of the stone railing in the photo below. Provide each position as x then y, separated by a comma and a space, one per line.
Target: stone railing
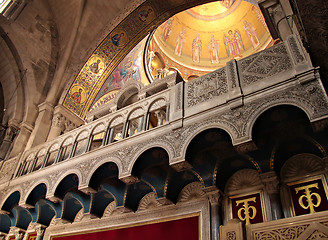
230, 98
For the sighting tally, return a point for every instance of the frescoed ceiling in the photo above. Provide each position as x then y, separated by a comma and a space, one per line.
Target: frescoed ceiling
193, 42
205, 37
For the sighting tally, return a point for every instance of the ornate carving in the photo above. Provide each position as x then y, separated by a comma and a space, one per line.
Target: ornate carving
207, 87
232, 73
179, 98
282, 233
59, 120
148, 202
109, 210
8, 168
244, 178
137, 113
299, 58
79, 215
191, 191
301, 165
231, 235
159, 103
265, 64
317, 235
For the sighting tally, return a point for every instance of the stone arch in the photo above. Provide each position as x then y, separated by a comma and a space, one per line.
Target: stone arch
301, 165
128, 94
114, 160
136, 112
265, 107
203, 128
17, 68
83, 134
18, 191
63, 176
67, 141
153, 144
99, 127
119, 119
157, 103
32, 187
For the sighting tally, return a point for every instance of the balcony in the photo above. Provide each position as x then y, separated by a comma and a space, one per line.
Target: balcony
168, 115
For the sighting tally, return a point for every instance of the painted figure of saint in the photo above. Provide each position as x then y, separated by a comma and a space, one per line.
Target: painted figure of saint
94, 67
144, 14
116, 39
196, 48
180, 41
167, 28
213, 49
260, 17
77, 96
233, 44
251, 34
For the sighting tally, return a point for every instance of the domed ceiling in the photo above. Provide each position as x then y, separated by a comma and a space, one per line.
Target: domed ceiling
205, 37
193, 42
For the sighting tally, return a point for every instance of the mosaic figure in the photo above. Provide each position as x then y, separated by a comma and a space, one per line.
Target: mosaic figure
180, 41
213, 49
116, 39
251, 34
233, 44
167, 28
76, 96
196, 48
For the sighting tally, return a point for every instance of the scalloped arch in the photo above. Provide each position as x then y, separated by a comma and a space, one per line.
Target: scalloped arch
168, 149
117, 162
202, 129
263, 108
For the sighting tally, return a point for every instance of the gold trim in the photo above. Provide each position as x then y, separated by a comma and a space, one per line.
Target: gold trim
263, 206
305, 180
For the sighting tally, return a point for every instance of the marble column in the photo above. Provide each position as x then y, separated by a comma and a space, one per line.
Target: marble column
57, 126
41, 130
271, 186
216, 218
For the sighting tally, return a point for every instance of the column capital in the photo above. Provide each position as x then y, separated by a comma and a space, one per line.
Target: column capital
270, 181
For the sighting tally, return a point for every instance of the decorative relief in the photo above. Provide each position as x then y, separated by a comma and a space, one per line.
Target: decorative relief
232, 74
282, 233
192, 191
8, 169
231, 235
244, 178
179, 98
303, 164
317, 235
148, 202
265, 64
207, 87
136, 113
299, 58
110, 209
157, 104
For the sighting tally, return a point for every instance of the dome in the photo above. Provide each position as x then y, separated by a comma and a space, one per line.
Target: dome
204, 38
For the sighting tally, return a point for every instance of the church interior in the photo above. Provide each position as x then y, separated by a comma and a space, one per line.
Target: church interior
151, 119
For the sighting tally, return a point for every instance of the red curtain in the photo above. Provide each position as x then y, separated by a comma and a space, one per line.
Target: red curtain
186, 228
